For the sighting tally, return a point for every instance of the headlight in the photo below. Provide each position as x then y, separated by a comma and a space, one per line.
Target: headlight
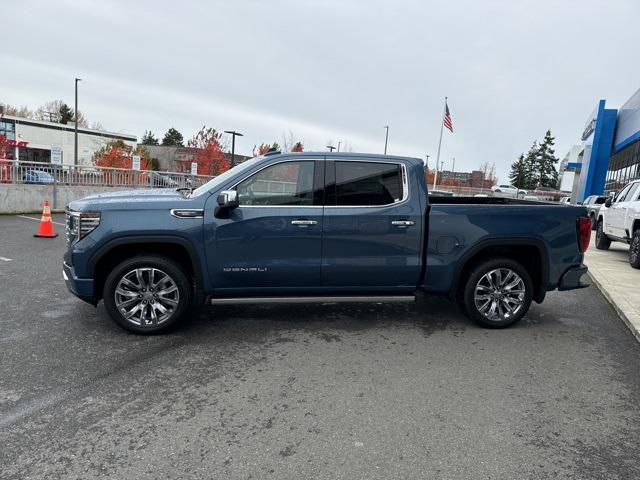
81, 224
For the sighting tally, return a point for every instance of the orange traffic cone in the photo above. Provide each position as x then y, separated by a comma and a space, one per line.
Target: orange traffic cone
45, 229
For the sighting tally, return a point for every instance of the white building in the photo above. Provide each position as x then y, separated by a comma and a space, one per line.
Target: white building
33, 140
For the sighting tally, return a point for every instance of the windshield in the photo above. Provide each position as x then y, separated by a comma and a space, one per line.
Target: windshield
223, 177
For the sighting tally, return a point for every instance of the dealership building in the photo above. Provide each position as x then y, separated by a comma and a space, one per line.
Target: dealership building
34, 140
608, 155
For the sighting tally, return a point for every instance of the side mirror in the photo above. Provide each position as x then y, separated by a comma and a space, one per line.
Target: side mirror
228, 199
608, 202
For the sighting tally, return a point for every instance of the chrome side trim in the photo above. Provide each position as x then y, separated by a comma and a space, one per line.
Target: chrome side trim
405, 183
332, 299
187, 212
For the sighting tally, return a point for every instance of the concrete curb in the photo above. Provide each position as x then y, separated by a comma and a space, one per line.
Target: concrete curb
627, 317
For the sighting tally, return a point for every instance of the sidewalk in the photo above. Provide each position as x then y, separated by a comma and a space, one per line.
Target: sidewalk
618, 282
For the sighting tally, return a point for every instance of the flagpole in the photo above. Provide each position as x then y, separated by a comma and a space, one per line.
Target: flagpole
435, 176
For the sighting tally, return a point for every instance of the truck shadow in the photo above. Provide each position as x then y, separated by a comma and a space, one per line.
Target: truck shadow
430, 315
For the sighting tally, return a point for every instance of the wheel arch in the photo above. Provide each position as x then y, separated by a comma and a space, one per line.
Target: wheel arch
531, 253
176, 248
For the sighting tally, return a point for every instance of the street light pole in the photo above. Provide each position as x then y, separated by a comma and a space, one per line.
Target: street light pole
386, 138
75, 129
331, 148
233, 134
339, 146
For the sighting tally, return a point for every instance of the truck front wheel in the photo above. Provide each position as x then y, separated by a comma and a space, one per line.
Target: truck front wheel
602, 241
634, 250
497, 293
147, 294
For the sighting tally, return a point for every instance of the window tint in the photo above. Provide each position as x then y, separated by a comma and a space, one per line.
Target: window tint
282, 184
367, 183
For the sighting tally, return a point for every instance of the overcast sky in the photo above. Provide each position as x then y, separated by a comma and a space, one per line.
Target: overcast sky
331, 70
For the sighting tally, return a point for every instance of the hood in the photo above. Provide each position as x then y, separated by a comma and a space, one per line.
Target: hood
132, 200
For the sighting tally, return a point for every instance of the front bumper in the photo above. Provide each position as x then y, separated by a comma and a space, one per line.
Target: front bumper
571, 279
80, 287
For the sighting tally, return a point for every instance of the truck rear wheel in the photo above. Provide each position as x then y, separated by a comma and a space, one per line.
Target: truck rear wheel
634, 250
497, 293
602, 241
147, 294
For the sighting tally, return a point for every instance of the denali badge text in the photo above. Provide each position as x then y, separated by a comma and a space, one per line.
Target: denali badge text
244, 269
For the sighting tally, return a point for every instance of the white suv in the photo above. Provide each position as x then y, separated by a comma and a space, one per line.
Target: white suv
619, 221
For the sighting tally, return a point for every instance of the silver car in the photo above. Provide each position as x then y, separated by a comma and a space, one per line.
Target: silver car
593, 204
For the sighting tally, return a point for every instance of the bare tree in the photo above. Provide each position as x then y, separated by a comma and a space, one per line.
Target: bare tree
52, 112
23, 111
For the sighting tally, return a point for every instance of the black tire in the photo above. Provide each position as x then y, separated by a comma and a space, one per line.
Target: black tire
634, 250
602, 241
477, 280
182, 295
593, 222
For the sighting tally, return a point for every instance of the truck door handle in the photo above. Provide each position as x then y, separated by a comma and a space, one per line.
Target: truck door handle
303, 223
403, 223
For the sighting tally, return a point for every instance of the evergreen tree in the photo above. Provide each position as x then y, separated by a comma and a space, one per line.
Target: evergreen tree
173, 138
530, 177
65, 114
545, 171
518, 175
148, 138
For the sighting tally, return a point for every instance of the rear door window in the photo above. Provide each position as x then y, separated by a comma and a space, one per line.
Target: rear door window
367, 184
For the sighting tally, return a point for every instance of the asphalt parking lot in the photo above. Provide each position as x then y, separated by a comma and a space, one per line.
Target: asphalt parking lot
322, 391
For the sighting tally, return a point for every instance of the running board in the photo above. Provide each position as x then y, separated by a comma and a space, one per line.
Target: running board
359, 299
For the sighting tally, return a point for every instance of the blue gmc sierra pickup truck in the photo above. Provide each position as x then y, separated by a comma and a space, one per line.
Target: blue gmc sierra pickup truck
318, 227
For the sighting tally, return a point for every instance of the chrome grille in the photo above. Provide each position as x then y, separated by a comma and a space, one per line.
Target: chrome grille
80, 224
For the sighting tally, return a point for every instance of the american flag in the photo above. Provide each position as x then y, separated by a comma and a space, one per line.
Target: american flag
447, 118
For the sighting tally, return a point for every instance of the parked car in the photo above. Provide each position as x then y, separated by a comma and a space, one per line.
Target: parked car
440, 193
509, 191
352, 227
159, 180
565, 200
549, 193
619, 221
593, 204
37, 176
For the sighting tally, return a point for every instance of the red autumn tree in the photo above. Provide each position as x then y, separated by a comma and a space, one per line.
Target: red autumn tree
5, 149
209, 154
298, 147
117, 154
264, 148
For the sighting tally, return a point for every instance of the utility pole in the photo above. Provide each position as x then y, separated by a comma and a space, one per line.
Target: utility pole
339, 146
331, 148
75, 129
386, 138
233, 134
427, 163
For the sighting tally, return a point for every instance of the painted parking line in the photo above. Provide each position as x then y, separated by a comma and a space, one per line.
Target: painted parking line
5, 259
38, 219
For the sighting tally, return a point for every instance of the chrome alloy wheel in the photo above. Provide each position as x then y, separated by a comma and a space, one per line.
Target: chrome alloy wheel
634, 249
499, 294
147, 296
